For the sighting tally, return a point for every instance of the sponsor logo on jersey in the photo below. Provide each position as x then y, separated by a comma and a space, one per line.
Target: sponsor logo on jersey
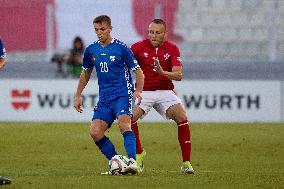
146, 55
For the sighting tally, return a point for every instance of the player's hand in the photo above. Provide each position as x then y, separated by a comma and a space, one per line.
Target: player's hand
156, 65
77, 104
137, 97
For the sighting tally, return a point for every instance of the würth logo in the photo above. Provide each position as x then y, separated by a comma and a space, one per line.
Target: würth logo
20, 99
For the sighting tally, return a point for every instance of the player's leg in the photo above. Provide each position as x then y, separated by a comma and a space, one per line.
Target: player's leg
170, 107
102, 120
128, 135
140, 152
123, 109
97, 130
147, 102
138, 112
178, 114
124, 122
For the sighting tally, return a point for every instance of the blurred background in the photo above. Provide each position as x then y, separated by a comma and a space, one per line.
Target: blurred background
220, 40
234, 32
232, 90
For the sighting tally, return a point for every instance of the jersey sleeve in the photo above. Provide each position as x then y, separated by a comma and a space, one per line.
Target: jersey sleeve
130, 60
176, 60
134, 49
87, 60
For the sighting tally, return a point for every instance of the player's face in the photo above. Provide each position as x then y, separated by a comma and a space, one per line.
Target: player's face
156, 34
103, 31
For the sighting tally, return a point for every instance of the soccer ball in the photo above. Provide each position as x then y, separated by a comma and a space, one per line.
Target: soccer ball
118, 165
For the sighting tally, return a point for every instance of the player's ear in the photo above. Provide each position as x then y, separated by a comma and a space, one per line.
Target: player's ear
166, 34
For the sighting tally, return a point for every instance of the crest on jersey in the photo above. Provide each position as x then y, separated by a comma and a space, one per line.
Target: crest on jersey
178, 59
146, 55
166, 56
112, 58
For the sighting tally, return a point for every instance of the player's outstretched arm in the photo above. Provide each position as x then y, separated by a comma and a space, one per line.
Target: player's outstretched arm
139, 84
175, 74
83, 81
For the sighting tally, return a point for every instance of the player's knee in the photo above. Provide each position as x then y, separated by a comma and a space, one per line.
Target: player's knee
124, 129
123, 126
134, 119
124, 123
138, 112
177, 113
179, 117
96, 133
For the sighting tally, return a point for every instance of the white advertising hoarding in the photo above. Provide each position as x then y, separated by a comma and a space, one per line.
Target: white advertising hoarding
44, 100
204, 101
231, 101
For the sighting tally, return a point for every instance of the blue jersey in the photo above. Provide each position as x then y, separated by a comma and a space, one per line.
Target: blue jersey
2, 50
113, 64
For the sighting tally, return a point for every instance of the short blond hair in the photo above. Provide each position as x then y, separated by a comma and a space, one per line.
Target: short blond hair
102, 18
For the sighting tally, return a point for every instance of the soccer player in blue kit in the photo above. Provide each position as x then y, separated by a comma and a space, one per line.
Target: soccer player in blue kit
113, 61
3, 59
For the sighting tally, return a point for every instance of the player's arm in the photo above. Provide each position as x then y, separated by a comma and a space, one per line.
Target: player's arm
176, 64
139, 85
133, 65
175, 74
83, 81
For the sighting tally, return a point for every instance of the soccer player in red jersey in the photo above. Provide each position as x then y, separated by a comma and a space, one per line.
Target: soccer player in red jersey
161, 64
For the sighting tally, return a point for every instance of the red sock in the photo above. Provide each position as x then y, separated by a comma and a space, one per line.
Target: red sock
134, 128
184, 139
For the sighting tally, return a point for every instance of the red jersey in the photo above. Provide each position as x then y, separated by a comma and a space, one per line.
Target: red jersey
169, 56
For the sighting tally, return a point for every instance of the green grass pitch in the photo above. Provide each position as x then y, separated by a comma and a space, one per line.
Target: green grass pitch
62, 155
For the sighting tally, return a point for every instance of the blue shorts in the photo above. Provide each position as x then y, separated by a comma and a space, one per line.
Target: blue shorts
108, 111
